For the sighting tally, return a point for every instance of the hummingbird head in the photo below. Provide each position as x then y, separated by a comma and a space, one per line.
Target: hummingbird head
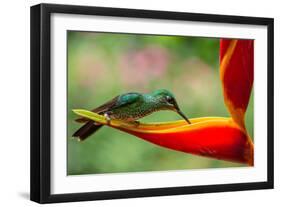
168, 101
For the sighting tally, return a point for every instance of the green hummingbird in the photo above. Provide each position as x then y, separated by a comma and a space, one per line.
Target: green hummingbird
130, 107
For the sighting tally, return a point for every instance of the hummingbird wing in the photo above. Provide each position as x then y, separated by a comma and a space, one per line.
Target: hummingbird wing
106, 106
116, 102
127, 99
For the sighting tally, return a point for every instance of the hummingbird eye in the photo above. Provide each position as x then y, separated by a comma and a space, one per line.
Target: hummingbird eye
169, 99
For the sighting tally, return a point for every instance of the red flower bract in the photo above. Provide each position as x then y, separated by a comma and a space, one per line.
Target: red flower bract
237, 69
220, 139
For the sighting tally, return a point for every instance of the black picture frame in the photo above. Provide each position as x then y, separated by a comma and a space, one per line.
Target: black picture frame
41, 99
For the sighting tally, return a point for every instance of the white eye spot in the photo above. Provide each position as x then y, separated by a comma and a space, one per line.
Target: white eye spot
168, 98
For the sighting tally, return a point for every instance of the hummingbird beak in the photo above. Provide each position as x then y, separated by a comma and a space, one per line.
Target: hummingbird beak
177, 109
183, 116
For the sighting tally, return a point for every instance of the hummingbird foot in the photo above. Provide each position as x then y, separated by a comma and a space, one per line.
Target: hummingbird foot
135, 123
107, 118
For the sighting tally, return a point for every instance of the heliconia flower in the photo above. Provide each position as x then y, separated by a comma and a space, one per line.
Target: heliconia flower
224, 138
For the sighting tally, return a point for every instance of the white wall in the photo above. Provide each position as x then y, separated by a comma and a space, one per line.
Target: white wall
14, 110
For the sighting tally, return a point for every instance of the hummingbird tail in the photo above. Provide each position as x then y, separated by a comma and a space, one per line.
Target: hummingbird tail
86, 130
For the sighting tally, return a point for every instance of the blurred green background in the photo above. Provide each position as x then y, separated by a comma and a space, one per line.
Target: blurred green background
103, 65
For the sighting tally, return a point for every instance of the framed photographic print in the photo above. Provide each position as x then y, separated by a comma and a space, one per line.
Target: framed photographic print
132, 103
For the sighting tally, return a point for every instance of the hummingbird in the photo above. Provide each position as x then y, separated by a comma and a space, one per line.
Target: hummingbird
130, 107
